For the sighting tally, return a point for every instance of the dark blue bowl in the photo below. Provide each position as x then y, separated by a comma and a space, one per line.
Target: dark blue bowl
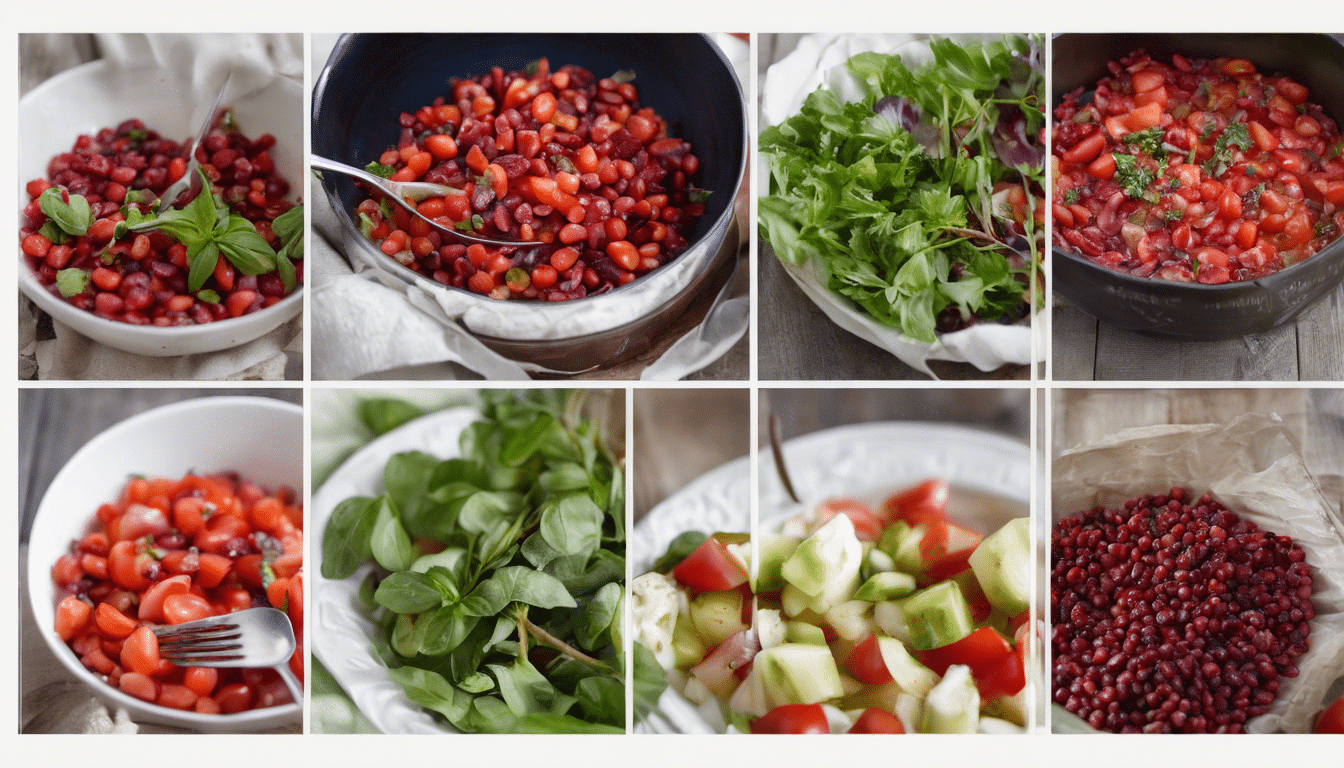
370, 79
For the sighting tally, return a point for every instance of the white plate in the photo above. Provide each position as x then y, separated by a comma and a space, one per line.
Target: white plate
990, 477
342, 631
96, 95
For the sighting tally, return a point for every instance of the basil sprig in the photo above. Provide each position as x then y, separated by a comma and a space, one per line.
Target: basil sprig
208, 230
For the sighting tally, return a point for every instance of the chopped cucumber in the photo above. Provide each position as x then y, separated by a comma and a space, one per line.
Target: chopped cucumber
997, 726
802, 632
770, 629
749, 698
773, 550
794, 673
826, 565
877, 561
913, 678
886, 585
850, 620
1001, 564
901, 543
687, 647
937, 616
717, 616
953, 706
891, 620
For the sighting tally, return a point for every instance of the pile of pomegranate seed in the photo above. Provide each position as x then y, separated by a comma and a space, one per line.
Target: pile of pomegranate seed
1174, 617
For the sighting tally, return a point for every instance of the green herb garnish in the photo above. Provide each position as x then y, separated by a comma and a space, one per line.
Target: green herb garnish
1133, 177
378, 169
1148, 140
208, 230
1071, 197
73, 217
72, 282
1237, 134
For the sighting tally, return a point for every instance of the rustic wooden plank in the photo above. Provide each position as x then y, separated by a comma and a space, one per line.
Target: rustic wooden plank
1073, 337
1125, 356
1320, 340
1219, 406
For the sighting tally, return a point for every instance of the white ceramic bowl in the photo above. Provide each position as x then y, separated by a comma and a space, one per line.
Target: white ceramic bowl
96, 95
990, 477
260, 438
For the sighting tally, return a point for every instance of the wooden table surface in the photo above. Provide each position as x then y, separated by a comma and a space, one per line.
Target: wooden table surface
54, 423
1310, 348
796, 340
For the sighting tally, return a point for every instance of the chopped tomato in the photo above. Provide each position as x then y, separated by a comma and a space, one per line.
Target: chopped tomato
874, 720
868, 525
1332, 719
930, 494
719, 669
865, 662
955, 554
793, 718
982, 650
711, 568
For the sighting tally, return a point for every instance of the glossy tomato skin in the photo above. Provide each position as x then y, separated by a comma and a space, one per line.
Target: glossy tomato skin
793, 718
710, 568
930, 495
1332, 719
865, 662
874, 720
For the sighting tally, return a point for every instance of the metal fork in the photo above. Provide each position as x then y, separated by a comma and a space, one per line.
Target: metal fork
256, 637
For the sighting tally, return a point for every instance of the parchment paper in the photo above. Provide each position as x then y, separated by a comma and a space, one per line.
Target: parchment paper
1253, 467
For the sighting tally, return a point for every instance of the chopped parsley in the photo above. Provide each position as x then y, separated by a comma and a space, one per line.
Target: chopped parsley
1236, 133
378, 169
1148, 140
1252, 196
1172, 214
1071, 197
1133, 177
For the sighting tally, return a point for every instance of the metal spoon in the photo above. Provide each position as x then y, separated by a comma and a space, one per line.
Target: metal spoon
400, 191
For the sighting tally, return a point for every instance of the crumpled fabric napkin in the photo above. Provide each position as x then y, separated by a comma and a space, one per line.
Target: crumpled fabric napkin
356, 310
818, 60
200, 61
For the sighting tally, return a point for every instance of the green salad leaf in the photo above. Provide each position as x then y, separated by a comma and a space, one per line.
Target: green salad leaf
887, 214
497, 576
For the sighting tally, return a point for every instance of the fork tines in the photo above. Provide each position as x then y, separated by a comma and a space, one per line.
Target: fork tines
200, 643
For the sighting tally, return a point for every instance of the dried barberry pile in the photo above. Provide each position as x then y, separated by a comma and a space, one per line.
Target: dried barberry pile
1174, 617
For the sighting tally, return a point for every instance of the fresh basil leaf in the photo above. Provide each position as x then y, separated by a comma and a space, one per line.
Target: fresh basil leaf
72, 282
408, 592
566, 476
433, 691
202, 209
525, 690
520, 584
519, 444
679, 549
597, 617
484, 510
53, 233
537, 552
649, 680
367, 588
203, 256
548, 723
73, 217
616, 501
346, 540
289, 225
384, 414
208, 296
582, 575
390, 544
477, 682
445, 581
406, 478
242, 245
289, 277
602, 700
487, 599
445, 629
572, 525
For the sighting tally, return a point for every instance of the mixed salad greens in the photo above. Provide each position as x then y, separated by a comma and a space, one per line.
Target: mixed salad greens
857, 620
498, 575
923, 201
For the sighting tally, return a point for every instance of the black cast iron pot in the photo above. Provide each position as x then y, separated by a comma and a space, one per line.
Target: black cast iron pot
1195, 311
